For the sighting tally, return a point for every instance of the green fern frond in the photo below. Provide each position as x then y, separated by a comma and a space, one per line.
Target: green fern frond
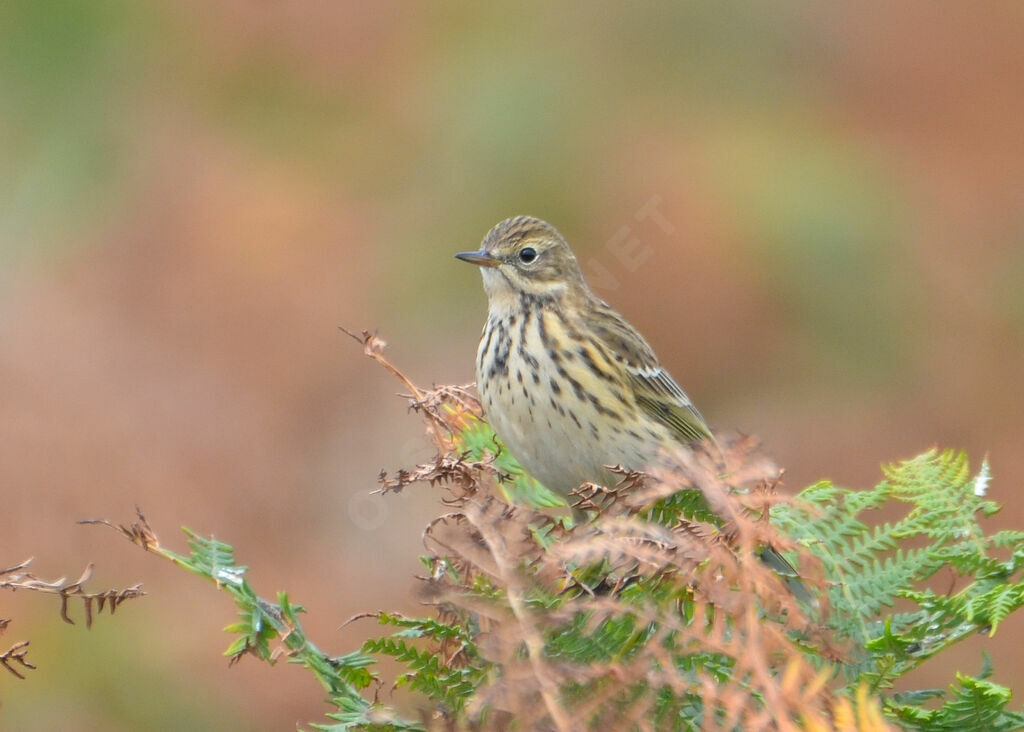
976, 704
872, 567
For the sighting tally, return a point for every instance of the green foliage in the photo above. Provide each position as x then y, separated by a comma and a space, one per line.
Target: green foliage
872, 567
610, 619
976, 703
444, 682
263, 622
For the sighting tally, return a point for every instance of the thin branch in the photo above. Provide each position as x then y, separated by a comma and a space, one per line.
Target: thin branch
373, 346
138, 533
16, 654
68, 590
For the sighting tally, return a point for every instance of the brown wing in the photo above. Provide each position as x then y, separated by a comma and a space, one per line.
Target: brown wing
656, 391
661, 397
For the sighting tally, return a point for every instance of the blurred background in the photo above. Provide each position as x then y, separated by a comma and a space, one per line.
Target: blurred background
814, 212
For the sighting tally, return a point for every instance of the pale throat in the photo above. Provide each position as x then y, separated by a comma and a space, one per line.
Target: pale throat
504, 299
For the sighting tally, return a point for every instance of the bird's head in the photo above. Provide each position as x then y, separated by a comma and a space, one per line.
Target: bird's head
524, 255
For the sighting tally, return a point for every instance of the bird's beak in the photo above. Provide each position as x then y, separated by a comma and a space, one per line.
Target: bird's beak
481, 258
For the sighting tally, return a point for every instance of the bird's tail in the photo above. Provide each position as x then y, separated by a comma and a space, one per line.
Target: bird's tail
790, 577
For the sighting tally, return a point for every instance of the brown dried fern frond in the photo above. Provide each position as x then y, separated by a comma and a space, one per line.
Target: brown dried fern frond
622, 621
16, 578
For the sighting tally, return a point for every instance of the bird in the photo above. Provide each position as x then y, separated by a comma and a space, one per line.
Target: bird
569, 386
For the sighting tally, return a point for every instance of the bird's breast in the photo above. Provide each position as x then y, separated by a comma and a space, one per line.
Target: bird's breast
558, 400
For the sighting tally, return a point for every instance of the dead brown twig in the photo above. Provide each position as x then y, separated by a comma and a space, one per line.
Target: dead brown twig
16, 655
373, 346
138, 532
16, 579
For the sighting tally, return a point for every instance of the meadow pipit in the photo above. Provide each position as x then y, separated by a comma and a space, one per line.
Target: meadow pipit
567, 384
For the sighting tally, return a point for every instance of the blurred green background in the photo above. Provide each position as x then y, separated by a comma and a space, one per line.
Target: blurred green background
194, 196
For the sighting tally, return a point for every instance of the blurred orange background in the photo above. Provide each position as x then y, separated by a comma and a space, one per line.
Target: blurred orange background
814, 212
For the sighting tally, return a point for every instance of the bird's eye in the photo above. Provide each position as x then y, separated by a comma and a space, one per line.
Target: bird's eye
527, 255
